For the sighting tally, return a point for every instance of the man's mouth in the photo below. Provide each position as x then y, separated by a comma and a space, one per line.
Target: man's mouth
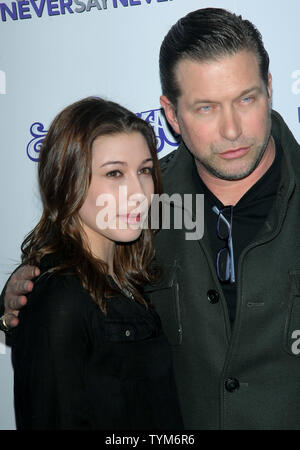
234, 153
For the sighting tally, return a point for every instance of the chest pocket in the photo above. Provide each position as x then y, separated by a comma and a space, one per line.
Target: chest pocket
165, 296
292, 326
128, 331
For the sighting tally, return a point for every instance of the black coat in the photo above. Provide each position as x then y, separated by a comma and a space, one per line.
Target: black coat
76, 368
247, 377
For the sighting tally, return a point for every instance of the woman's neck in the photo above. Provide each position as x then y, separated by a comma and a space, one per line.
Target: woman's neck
100, 246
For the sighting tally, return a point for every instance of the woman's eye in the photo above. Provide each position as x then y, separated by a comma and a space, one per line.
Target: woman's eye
146, 170
114, 173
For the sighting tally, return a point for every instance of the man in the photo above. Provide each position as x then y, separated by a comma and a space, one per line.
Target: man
229, 302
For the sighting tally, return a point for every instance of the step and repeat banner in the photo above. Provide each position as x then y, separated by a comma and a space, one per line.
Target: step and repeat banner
54, 52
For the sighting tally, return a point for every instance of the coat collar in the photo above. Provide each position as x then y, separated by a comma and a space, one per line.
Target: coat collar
179, 172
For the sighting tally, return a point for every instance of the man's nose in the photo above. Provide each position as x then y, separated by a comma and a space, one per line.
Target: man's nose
230, 126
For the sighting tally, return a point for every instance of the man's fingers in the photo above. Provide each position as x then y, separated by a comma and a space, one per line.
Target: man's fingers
17, 288
11, 320
20, 282
13, 303
26, 273
21, 287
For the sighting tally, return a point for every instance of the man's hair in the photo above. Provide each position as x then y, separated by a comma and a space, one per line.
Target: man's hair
204, 35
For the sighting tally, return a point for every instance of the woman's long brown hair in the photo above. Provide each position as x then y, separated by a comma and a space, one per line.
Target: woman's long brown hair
64, 174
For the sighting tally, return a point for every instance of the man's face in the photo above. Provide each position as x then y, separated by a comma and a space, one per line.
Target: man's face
223, 114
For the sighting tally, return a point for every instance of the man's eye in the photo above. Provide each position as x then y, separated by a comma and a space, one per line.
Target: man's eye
114, 173
247, 100
146, 170
206, 108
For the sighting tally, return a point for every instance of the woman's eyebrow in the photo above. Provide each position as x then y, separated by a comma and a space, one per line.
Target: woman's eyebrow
125, 163
114, 162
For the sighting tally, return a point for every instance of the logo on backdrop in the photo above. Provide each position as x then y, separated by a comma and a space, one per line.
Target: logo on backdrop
2, 82
155, 117
27, 9
161, 128
33, 148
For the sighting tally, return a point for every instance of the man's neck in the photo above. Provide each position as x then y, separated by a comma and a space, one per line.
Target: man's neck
230, 192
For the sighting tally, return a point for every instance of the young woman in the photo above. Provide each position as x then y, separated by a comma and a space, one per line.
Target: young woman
89, 351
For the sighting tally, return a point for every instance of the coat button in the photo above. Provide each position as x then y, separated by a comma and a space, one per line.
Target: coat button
127, 333
213, 296
232, 384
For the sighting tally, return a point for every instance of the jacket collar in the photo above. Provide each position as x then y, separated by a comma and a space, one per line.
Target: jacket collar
179, 172
291, 152
289, 173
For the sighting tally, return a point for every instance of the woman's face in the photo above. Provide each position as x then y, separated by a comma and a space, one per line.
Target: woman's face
119, 195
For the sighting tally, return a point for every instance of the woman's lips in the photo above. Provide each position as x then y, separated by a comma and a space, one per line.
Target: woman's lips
237, 153
131, 218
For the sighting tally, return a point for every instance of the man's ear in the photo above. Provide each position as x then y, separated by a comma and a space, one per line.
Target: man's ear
269, 87
170, 113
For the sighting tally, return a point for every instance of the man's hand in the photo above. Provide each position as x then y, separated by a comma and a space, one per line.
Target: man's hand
17, 288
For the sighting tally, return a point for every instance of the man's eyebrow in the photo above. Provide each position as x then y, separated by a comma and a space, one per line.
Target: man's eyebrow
248, 91
241, 94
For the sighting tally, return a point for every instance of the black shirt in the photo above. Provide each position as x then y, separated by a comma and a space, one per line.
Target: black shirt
249, 214
76, 368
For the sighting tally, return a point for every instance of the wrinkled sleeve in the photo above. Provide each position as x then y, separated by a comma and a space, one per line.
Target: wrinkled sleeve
49, 352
